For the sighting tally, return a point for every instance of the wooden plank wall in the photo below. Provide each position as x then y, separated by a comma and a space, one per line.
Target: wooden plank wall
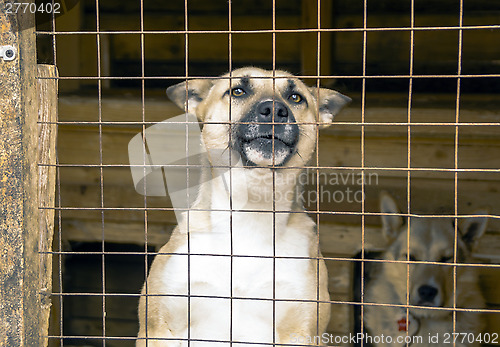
164, 53
385, 145
387, 51
435, 51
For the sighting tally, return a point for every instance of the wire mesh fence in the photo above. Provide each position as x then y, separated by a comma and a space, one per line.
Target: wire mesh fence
423, 125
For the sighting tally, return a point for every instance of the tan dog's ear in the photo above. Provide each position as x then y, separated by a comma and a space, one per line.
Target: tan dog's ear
188, 95
330, 103
391, 224
473, 228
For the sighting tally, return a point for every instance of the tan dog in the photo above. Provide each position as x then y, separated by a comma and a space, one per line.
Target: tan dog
431, 239
231, 232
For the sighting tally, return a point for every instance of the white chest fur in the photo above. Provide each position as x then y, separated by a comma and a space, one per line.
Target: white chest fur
242, 252
239, 258
239, 271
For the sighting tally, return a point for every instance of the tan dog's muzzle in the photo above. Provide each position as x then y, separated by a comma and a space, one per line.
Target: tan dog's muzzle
270, 131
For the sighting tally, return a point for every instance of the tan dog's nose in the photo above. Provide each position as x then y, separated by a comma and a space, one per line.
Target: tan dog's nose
266, 114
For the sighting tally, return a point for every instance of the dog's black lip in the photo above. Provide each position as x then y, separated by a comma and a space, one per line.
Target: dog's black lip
427, 303
269, 137
247, 162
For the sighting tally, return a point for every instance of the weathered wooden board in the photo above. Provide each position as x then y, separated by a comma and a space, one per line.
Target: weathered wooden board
421, 7
69, 53
340, 239
82, 147
381, 109
84, 201
47, 134
19, 237
167, 51
76, 199
171, 47
388, 52
196, 7
129, 233
310, 56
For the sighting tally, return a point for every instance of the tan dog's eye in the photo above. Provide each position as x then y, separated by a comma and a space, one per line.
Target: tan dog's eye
237, 92
296, 98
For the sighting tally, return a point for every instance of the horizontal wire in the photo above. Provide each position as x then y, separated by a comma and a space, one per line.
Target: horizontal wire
366, 168
335, 302
270, 31
140, 78
264, 211
329, 258
86, 337
97, 123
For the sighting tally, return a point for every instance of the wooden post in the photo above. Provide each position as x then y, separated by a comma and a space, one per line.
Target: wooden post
47, 130
20, 309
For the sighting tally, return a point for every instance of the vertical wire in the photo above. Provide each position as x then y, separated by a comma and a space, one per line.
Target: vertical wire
457, 118
101, 176
273, 172
363, 105
144, 152
59, 212
318, 252
408, 177
231, 258
186, 66
59, 256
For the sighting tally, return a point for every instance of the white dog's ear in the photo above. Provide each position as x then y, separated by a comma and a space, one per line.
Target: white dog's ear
188, 95
473, 228
390, 224
330, 103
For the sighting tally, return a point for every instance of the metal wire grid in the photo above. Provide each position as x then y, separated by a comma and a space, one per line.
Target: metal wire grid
318, 77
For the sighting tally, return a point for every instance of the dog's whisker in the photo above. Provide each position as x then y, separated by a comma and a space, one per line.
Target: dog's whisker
298, 153
305, 134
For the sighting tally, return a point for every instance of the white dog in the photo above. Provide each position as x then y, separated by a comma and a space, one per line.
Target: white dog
430, 286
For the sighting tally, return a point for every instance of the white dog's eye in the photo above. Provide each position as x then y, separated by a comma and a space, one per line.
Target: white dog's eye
296, 98
237, 92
